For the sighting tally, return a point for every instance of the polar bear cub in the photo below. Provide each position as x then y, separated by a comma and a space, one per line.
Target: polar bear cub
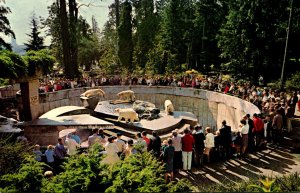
169, 108
127, 114
93, 92
126, 95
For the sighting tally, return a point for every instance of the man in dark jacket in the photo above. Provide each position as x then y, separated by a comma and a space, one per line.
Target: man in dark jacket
251, 142
155, 144
199, 138
225, 133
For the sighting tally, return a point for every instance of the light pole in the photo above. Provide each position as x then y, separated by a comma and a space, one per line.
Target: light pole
286, 45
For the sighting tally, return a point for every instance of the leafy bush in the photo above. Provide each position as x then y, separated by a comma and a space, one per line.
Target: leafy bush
293, 83
143, 173
82, 173
289, 183
138, 173
41, 60
4, 81
12, 154
28, 179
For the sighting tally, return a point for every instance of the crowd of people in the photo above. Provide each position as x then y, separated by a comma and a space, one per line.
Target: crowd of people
194, 146
264, 98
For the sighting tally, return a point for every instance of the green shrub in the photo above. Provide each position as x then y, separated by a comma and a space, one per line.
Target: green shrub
138, 173
82, 173
28, 179
143, 173
12, 154
289, 183
293, 83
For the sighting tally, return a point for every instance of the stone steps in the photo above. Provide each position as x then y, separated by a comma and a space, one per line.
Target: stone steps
130, 134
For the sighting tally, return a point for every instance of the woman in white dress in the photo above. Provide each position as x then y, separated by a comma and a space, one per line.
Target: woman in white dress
112, 150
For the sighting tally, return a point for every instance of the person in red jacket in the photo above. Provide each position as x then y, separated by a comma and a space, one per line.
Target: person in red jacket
187, 149
258, 129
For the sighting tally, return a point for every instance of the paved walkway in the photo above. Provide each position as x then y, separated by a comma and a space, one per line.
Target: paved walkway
274, 161
271, 162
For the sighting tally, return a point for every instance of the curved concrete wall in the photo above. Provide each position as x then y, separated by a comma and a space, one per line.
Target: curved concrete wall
211, 108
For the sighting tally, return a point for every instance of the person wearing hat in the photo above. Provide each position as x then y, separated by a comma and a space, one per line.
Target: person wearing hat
120, 144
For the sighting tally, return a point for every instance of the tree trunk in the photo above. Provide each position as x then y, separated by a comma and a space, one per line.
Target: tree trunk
117, 4
73, 13
69, 70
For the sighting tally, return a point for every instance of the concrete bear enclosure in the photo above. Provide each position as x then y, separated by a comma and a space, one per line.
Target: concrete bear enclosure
211, 108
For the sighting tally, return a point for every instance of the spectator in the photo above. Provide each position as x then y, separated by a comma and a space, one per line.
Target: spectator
49, 153
244, 130
144, 135
178, 151
225, 132
187, 149
250, 123
111, 152
38, 153
155, 144
199, 138
120, 144
168, 157
236, 143
140, 142
71, 144
258, 129
94, 138
76, 137
277, 126
209, 143
129, 148
59, 151
21, 138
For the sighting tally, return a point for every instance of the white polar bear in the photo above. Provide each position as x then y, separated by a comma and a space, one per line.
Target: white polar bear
127, 114
126, 95
169, 108
93, 92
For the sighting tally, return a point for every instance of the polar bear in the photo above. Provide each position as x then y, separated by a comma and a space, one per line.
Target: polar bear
169, 108
126, 95
92, 93
127, 114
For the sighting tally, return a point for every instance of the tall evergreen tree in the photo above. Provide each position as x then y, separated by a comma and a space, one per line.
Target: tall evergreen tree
35, 42
251, 39
170, 49
146, 24
5, 26
125, 44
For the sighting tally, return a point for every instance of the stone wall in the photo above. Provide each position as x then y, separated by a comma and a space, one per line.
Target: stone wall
211, 108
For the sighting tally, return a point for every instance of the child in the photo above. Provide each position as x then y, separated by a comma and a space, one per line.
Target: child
236, 143
38, 153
